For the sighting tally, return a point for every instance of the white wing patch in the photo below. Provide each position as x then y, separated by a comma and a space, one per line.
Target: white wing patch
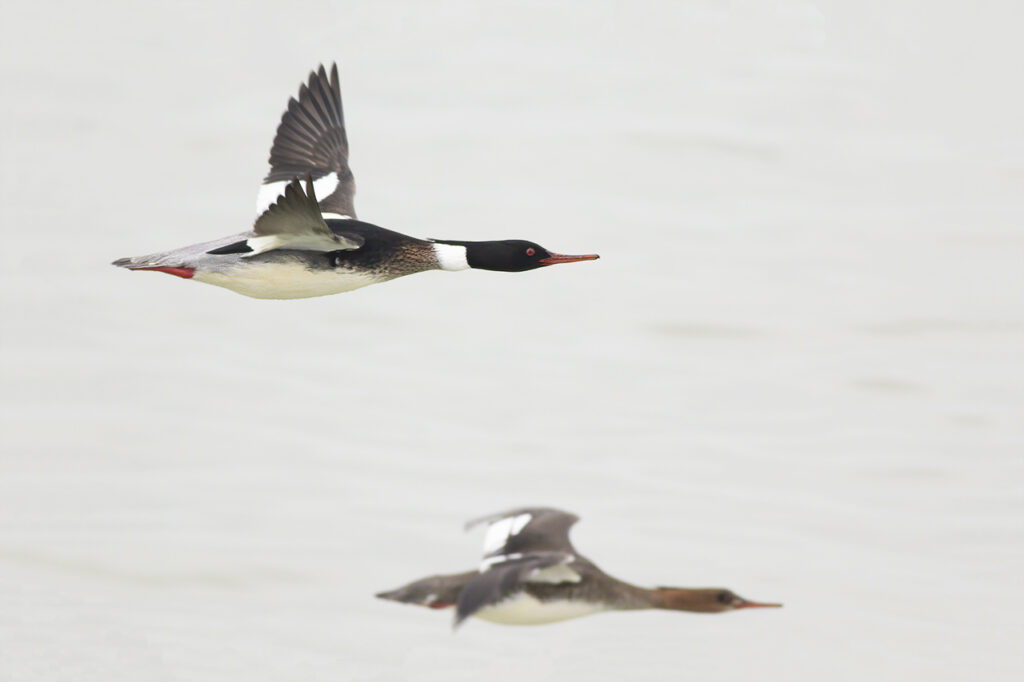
500, 531
560, 573
269, 193
492, 560
519, 523
260, 245
301, 242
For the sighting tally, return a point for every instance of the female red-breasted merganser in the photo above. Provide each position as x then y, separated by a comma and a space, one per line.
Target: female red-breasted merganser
531, 574
301, 246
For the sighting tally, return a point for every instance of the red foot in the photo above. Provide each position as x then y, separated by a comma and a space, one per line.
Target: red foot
177, 272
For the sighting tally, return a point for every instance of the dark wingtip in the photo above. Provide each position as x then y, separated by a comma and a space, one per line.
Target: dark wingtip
237, 247
122, 262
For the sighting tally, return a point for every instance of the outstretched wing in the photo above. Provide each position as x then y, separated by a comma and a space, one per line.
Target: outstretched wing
526, 530
293, 222
311, 141
503, 576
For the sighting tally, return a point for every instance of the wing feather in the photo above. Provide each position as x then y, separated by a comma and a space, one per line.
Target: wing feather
503, 579
311, 140
294, 222
528, 529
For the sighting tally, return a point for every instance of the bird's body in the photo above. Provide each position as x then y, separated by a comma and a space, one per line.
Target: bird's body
302, 246
531, 575
301, 273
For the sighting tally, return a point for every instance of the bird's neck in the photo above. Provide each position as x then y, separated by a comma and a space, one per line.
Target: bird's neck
451, 256
680, 599
626, 596
485, 255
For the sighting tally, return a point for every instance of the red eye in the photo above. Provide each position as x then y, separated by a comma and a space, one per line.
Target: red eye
530, 252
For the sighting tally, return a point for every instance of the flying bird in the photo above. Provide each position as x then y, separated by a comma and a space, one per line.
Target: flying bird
531, 574
303, 246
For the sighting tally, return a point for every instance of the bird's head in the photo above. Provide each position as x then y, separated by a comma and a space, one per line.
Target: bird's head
705, 600
512, 255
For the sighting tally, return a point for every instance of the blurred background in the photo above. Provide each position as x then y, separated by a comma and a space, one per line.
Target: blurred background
797, 370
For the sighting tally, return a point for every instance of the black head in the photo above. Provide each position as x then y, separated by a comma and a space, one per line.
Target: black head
705, 600
512, 255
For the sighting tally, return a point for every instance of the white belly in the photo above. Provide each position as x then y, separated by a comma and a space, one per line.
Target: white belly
286, 280
524, 609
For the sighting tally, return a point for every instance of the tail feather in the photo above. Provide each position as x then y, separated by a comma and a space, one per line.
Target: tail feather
152, 260
194, 257
144, 263
436, 592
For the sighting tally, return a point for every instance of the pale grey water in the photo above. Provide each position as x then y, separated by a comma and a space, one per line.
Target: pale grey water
796, 372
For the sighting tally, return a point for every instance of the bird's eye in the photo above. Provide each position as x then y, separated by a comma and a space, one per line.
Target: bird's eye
530, 252
725, 597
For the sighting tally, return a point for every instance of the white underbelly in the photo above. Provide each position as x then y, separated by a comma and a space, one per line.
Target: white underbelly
286, 280
524, 609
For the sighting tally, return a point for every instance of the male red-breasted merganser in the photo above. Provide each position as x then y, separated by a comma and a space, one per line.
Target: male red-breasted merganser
301, 246
531, 574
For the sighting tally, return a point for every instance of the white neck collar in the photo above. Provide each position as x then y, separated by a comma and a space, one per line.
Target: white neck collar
451, 256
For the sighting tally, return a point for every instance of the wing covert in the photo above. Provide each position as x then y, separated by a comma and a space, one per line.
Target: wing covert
294, 222
501, 579
527, 530
311, 140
